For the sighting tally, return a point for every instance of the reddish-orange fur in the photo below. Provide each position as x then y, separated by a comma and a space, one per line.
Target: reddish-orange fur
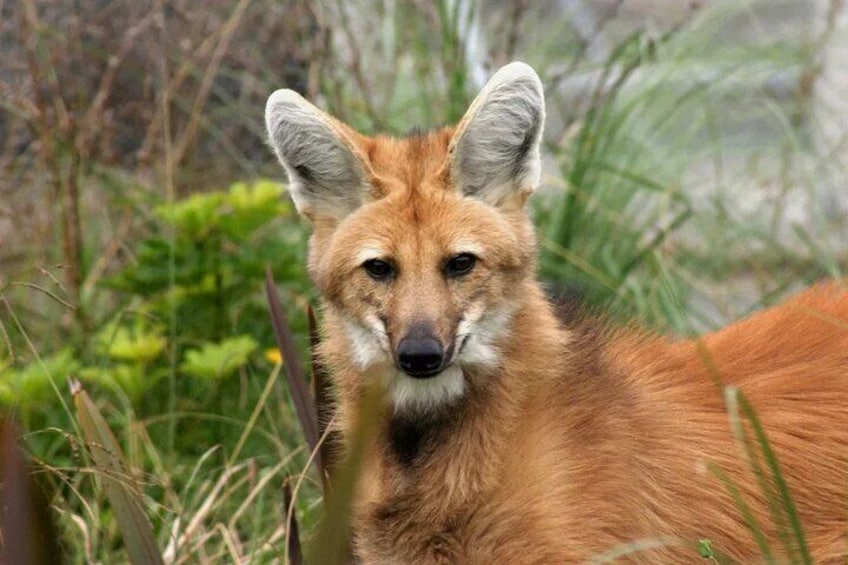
582, 438
562, 467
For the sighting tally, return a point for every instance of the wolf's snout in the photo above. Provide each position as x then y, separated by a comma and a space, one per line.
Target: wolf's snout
420, 356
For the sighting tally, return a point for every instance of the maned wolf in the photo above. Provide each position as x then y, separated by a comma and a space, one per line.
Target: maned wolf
514, 436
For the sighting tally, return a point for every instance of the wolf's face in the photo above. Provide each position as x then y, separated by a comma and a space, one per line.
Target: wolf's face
420, 244
425, 284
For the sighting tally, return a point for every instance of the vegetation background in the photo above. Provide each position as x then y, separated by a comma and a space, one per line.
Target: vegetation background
695, 169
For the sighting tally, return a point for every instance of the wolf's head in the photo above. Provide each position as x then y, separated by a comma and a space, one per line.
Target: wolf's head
421, 246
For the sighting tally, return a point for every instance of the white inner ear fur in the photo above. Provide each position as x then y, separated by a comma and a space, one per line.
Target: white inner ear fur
495, 148
326, 176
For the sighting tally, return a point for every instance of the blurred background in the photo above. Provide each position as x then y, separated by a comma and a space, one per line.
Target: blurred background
696, 169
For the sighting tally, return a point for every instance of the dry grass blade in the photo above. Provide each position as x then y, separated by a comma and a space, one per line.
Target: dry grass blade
293, 549
120, 487
633, 548
304, 403
332, 542
209, 504
330, 448
28, 535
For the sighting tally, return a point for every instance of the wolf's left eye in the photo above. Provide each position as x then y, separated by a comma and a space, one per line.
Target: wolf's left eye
460, 265
378, 269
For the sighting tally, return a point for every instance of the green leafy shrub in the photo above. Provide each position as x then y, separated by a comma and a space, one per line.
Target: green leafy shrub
218, 360
29, 386
206, 261
193, 316
196, 313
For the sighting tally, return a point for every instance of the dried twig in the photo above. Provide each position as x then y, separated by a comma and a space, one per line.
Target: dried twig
184, 143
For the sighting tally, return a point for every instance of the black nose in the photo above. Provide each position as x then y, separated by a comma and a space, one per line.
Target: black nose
420, 357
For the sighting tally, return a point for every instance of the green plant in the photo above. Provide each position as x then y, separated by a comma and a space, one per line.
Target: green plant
200, 275
613, 196
207, 258
202, 267
118, 481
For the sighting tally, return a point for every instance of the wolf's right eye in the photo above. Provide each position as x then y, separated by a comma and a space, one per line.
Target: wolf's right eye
378, 269
460, 265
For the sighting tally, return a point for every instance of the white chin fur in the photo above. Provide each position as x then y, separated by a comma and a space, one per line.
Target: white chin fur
422, 395
481, 333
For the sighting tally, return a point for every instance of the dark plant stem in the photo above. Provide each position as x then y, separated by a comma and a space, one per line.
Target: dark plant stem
64, 180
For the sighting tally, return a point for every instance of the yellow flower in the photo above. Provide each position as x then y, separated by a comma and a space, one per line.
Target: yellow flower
274, 356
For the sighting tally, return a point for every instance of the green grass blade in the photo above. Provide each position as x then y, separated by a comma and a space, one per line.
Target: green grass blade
731, 396
656, 241
254, 416
799, 547
766, 486
118, 483
747, 515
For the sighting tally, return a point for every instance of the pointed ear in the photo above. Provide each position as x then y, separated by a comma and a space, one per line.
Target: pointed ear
327, 174
495, 147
